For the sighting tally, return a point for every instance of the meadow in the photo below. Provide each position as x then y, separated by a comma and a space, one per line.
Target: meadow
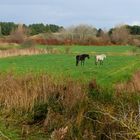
91, 49
46, 96
119, 66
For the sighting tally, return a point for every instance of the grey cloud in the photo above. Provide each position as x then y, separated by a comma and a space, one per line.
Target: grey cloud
101, 13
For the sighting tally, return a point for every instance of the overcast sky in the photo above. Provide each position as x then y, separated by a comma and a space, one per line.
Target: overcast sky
99, 13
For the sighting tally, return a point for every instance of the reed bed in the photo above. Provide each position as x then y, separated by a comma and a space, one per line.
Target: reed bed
20, 52
66, 109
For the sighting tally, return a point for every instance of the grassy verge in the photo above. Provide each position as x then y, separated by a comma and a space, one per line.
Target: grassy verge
36, 107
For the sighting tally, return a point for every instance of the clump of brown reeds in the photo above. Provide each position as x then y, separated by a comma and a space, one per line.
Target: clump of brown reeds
59, 134
131, 86
20, 52
25, 91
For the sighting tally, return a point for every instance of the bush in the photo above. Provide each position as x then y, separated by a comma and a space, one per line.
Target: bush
28, 43
19, 34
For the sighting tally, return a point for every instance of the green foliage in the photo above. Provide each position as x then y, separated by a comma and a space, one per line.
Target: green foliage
99, 32
7, 27
37, 28
104, 95
41, 28
53, 28
111, 31
134, 30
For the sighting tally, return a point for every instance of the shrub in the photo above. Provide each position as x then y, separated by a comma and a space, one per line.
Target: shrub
28, 43
19, 34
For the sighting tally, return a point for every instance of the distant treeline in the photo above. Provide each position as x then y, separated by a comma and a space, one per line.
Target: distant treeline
134, 30
7, 27
51, 34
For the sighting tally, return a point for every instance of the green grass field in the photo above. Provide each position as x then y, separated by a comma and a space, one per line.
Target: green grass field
116, 68
120, 64
92, 49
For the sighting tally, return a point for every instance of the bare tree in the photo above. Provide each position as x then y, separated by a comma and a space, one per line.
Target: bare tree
19, 34
80, 32
120, 35
105, 36
85, 31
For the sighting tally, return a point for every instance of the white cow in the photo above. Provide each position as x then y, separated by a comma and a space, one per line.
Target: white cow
99, 58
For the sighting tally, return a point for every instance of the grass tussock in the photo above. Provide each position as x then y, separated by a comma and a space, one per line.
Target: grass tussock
131, 86
25, 92
67, 109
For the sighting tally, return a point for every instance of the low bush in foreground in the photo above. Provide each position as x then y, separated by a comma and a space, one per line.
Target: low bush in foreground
65, 110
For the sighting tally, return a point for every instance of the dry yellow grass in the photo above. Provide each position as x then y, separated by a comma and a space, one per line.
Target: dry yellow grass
24, 92
72, 112
131, 86
8, 44
19, 52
